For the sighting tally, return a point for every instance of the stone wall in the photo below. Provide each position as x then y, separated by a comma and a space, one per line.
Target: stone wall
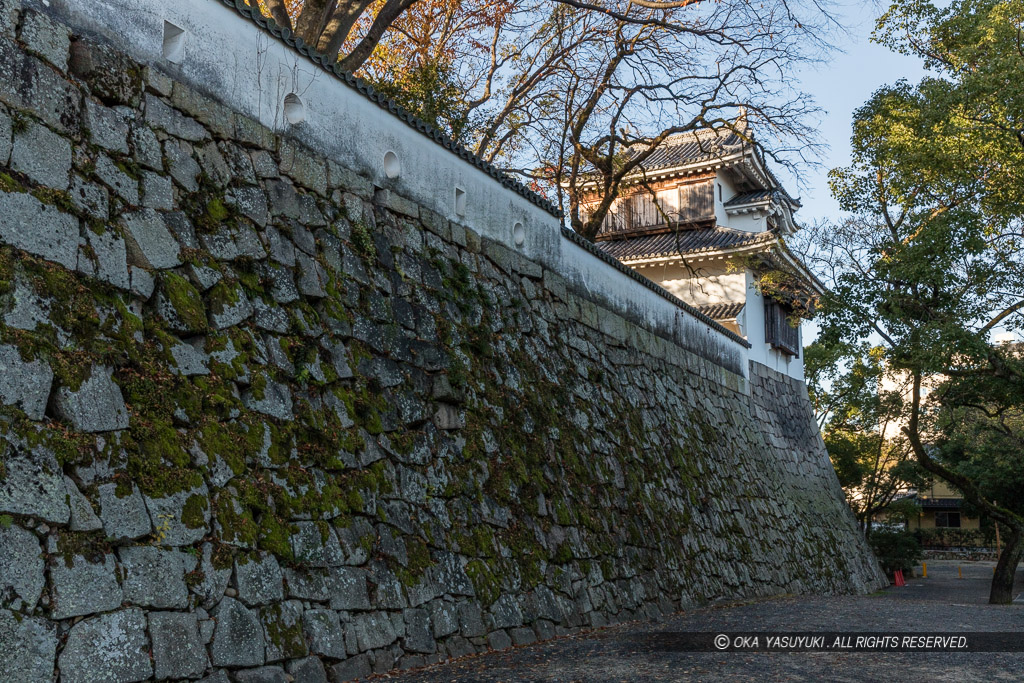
261, 418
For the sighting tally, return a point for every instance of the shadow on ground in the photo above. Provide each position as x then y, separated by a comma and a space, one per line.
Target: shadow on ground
629, 652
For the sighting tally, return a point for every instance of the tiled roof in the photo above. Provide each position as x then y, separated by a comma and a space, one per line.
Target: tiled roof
331, 65
722, 311
682, 242
592, 248
760, 195
750, 197
940, 503
690, 148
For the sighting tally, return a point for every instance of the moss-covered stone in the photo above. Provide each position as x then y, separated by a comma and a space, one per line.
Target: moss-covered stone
187, 310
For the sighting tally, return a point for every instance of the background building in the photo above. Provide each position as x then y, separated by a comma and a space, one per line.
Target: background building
706, 219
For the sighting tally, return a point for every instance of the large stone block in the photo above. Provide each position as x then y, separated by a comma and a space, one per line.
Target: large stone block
112, 648
33, 483
95, 406
35, 86
259, 580
238, 638
228, 305
40, 229
352, 668
111, 75
111, 257
282, 629
374, 630
28, 645
326, 637
183, 517
316, 545
347, 587
154, 577
181, 165
304, 168
274, 400
151, 245
81, 586
178, 651
117, 179
146, 148
90, 197
21, 568
207, 111
252, 203
214, 579
107, 127
418, 631
46, 38
25, 384
10, 11
157, 191
180, 305
172, 121
123, 512
308, 670
43, 156
83, 517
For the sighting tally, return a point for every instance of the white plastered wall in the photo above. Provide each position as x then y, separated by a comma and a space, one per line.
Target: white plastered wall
703, 283
251, 72
753, 329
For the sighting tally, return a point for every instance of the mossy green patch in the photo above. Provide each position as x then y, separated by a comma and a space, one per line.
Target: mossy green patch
363, 243
485, 584
9, 184
287, 638
186, 301
193, 515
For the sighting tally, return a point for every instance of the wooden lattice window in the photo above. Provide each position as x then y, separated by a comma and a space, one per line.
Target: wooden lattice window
777, 330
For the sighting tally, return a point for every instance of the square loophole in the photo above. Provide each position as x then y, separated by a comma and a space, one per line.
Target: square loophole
174, 43
460, 202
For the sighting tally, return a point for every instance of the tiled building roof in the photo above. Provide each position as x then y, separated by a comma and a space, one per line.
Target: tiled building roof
759, 195
750, 197
722, 311
682, 242
690, 148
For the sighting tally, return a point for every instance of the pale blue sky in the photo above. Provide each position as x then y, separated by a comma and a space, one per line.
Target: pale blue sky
841, 86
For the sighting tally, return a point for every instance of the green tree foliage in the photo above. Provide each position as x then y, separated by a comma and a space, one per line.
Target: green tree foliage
859, 421
930, 261
984, 438
896, 550
430, 92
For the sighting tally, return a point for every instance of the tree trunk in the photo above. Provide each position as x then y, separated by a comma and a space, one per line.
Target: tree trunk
279, 13
361, 52
340, 25
311, 21
1006, 568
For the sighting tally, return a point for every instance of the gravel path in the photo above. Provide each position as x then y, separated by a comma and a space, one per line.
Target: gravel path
634, 652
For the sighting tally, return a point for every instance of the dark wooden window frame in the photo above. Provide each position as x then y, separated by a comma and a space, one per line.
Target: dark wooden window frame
777, 330
637, 212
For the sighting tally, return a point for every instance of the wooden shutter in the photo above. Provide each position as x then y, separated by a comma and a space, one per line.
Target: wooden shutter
777, 330
697, 202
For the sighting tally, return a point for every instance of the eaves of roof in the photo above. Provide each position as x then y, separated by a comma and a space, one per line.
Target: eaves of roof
330, 65
722, 311
683, 242
594, 249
